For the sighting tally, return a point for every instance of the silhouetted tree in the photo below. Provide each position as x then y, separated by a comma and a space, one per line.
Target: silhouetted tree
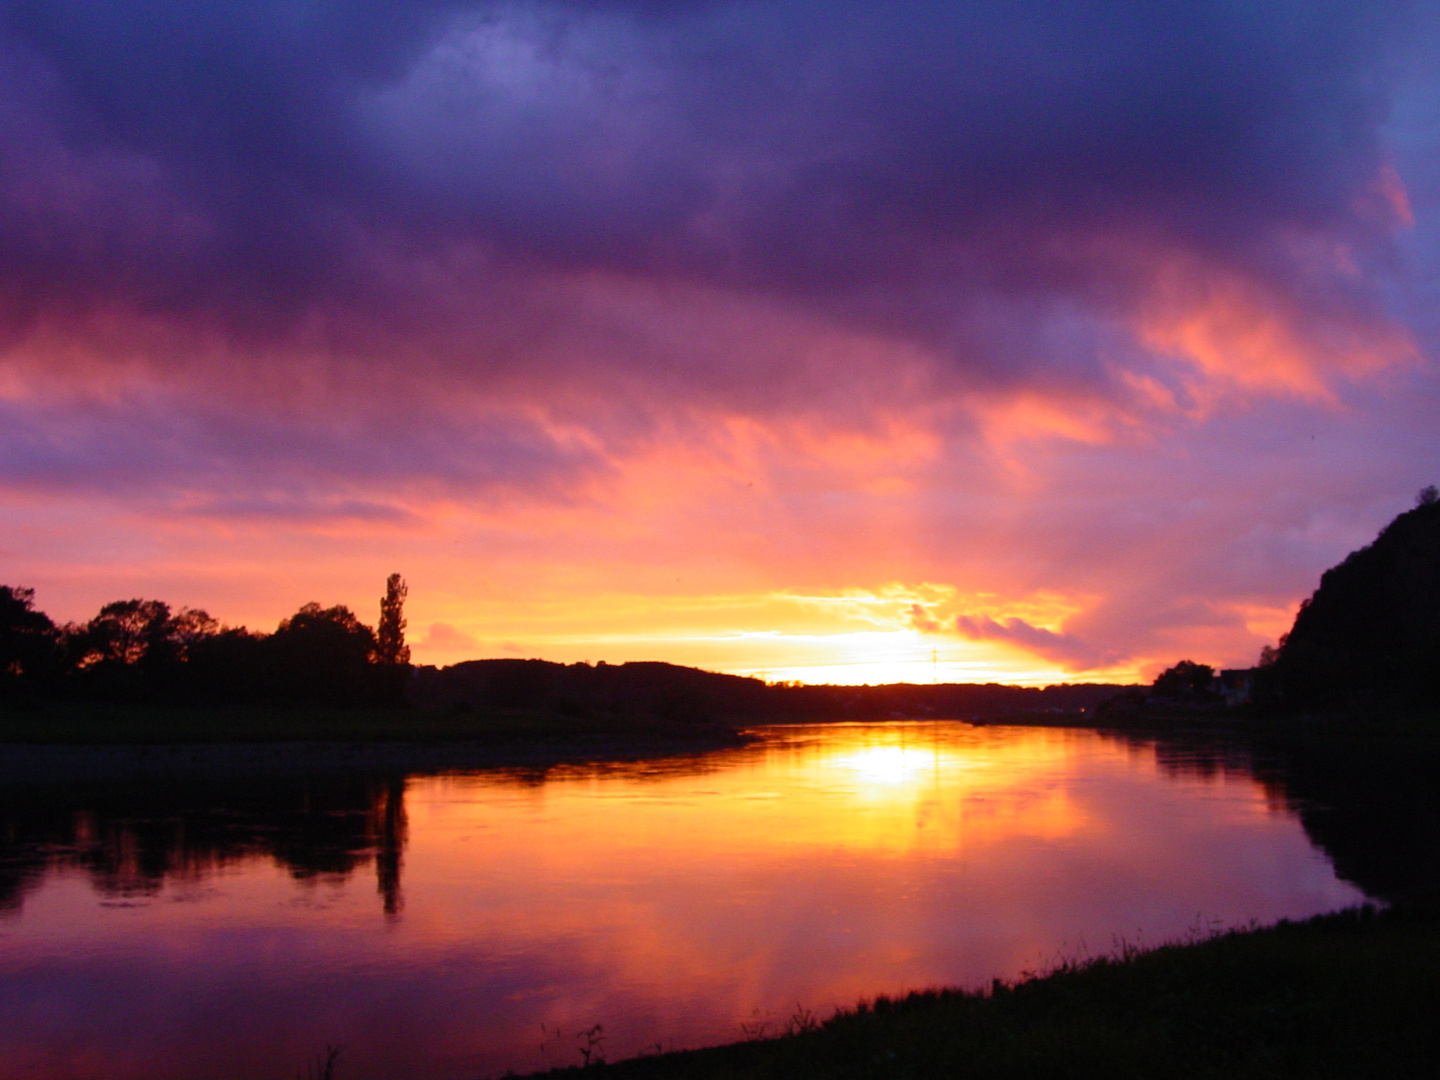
1428, 496
323, 655
229, 666
124, 633
390, 647
189, 628
27, 641
1186, 681
135, 649
391, 653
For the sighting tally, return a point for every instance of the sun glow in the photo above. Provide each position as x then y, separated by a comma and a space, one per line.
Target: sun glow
895, 634
890, 765
857, 658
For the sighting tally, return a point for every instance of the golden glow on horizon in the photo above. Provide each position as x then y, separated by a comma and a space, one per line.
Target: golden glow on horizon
852, 638
855, 658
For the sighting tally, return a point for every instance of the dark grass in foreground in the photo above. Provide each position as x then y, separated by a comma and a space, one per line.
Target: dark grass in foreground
1355, 994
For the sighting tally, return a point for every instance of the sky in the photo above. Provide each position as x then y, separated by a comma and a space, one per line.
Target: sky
840, 342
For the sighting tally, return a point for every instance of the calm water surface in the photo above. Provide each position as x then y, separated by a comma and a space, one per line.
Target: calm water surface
193, 922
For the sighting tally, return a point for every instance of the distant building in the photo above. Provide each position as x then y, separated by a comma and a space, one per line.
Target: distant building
1233, 685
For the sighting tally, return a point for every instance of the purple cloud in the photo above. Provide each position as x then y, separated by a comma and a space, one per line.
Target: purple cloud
1066, 649
917, 169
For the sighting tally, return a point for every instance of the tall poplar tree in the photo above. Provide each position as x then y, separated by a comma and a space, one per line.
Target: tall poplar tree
390, 647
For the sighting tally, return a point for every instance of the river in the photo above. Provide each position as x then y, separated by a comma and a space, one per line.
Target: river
177, 913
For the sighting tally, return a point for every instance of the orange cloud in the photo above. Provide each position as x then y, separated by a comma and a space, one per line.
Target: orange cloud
1241, 338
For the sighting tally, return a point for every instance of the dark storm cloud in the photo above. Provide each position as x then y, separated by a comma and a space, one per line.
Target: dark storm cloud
193, 153
936, 171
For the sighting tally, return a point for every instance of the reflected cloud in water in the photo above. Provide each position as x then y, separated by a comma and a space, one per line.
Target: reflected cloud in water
669, 900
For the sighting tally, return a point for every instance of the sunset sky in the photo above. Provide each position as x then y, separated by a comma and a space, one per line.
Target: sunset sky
844, 342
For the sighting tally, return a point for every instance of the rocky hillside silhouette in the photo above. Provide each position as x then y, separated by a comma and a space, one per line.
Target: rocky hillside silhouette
1369, 637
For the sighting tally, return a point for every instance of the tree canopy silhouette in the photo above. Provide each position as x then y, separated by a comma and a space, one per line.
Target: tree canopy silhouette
144, 651
1186, 681
1369, 636
28, 641
323, 655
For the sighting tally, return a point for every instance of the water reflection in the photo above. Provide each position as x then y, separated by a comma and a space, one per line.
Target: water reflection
194, 917
130, 835
1370, 803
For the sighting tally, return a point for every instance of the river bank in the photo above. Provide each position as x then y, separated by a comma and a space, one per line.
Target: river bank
1346, 995
507, 734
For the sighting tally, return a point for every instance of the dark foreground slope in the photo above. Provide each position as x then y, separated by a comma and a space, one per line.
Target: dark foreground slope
1345, 996
1369, 638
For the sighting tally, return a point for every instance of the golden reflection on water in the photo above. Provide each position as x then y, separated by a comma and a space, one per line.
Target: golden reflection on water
670, 901
837, 791
833, 864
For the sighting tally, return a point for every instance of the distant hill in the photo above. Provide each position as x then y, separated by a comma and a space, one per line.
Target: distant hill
1369, 637
657, 690
675, 693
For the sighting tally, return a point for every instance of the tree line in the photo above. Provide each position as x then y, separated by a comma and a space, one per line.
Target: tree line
673, 693
139, 651
145, 651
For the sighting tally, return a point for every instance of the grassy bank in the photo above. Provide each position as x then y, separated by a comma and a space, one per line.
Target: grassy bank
1339, 996
84, 723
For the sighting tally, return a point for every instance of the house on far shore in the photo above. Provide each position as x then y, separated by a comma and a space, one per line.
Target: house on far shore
1233, 685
